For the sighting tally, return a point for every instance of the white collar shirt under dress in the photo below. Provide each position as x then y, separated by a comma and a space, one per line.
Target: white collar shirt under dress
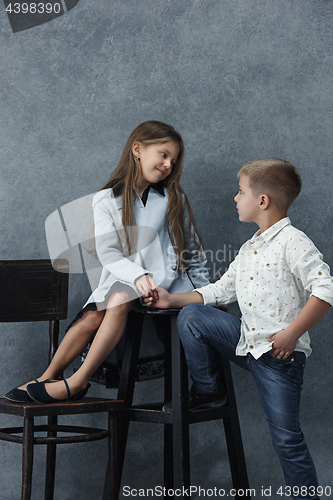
270, 278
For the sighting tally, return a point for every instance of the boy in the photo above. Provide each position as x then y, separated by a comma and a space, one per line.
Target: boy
269, 279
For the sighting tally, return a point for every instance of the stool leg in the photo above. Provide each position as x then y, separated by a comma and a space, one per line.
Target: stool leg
168, 440
126, 384
180, 424
128, 374
50, 460
233, 433
114, 478
27, 459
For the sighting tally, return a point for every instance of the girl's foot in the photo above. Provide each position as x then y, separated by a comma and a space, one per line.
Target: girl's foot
20, 394
47, 393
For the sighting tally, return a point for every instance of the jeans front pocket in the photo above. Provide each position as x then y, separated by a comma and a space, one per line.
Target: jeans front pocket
291, 367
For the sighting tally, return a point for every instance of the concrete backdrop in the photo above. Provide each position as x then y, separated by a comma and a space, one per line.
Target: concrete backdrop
239, 80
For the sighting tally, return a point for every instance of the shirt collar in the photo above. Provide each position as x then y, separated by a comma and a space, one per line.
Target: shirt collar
158, 187
117, 191
272, 231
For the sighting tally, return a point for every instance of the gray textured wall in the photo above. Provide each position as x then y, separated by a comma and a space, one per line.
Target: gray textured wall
240, 80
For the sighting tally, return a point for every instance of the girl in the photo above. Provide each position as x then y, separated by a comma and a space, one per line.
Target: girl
145, 235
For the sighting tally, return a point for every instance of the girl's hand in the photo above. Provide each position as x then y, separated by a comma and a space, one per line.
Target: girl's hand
146, 285
283, 344
161, 299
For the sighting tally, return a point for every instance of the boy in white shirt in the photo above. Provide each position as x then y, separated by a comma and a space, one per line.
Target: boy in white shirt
269, 278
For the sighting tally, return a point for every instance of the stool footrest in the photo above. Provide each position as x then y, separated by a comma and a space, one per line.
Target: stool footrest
86, 434
154, 413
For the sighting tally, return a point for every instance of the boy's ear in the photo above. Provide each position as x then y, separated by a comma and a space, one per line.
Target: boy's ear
264, 201
136, 148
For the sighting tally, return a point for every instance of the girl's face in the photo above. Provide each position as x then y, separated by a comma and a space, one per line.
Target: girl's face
156, 161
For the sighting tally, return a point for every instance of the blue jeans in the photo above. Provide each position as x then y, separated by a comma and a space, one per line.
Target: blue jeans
203, 331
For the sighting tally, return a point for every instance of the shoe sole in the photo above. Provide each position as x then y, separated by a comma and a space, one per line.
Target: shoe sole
205, 406
18, 400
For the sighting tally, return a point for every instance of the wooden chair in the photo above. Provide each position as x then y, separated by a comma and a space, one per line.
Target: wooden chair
176, 422
32, 290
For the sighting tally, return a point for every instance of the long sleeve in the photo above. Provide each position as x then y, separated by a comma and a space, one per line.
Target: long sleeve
306, 263
195, 260
108, 245
222, 291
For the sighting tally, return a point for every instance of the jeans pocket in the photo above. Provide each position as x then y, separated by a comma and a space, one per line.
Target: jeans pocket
279, 360
291, 368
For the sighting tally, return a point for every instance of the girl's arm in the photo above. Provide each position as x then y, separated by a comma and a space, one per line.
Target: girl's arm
108, 244
195, 259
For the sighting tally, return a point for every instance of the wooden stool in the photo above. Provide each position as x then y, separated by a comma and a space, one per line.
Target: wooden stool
35, 291
176, 422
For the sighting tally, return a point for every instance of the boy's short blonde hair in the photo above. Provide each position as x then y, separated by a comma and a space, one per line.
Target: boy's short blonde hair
277, 178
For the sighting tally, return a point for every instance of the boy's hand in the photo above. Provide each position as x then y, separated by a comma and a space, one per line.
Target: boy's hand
160, 298
146, 286
283, 344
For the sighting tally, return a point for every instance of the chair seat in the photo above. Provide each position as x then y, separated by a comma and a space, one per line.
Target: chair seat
86, 405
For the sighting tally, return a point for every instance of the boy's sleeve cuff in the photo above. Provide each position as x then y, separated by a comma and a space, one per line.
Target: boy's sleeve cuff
208, 295
324, 293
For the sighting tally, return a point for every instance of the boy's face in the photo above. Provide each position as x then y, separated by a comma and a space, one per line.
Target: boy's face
248, 205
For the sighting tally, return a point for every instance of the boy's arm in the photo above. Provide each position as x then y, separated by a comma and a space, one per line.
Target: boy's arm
216, 294
167, 300
284, 341
307, 265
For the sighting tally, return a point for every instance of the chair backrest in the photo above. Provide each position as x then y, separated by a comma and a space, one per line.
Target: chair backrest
33, 290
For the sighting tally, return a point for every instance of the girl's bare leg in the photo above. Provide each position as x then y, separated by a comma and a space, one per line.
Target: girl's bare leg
107, 337
73, 344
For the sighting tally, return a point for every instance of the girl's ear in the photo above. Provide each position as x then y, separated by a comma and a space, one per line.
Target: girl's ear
136, 148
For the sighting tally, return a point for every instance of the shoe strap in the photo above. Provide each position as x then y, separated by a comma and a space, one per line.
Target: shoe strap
68, 391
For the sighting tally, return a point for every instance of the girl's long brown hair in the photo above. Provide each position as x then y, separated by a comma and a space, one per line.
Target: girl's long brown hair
127, 176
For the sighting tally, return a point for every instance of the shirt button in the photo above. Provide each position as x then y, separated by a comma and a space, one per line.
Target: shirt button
255, 252
250, 304
320, 273
251, 278
251, 346
267, 265
253, 329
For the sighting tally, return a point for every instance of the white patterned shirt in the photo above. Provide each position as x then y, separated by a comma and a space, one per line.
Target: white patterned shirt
269, 278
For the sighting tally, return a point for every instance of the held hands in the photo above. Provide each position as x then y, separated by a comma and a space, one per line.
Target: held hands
283, 344
160, 299
146, 286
